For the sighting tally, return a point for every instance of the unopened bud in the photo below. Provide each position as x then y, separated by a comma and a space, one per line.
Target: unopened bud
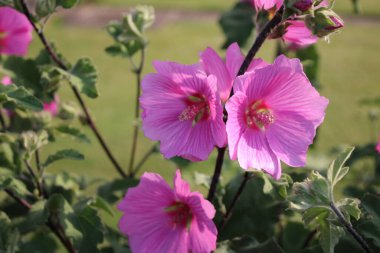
303, 5
324, 22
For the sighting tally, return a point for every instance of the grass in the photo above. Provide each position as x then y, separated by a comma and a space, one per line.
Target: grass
367, 7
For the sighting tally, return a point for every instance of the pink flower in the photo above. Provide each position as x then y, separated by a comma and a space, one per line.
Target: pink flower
15, 32
159, 219
52, 106
6, 80
182, 109
265, 4
378, 146
226, 72
273, 116
297, 35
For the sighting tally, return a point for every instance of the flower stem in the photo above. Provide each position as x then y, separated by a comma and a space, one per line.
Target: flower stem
351, 229
275, 21
76, 92
137, 114
144, 159
216, 176
227, 215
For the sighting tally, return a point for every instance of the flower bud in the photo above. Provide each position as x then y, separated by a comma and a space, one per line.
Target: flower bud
324, 22
303, 5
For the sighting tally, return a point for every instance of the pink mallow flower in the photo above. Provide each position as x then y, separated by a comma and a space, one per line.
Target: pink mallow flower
226, 71
182, 109
159, 219
297, 35
52, 107
273, 116
15, 32
6, 80
265, 4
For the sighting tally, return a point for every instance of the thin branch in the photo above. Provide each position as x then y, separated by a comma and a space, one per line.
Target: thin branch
351, 229
227, 215
217, 172
36, 179
138, 72
144, 159
19, 200
63, 66
272, 24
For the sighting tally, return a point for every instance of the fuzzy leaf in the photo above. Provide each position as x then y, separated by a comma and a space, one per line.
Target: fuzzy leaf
83, 76
20, 96
336, 170
63, 154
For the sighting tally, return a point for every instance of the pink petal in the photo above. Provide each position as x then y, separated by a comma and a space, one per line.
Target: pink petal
234, 59
214, 65
298, 35
178, 72
236, 125
181, 187
255, 153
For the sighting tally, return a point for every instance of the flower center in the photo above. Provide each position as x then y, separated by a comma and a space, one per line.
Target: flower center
180, 214
197, 109
258, 115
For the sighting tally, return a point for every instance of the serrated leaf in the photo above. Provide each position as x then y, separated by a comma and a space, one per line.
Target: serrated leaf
115, 190
20, 96
13, 184
74, 132
349, 207
83, 76
336, 171
63, 154
237, 24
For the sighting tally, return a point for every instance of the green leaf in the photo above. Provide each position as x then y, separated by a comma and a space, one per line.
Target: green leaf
294, 236
336, 171
67, 4
113, 191
83, 76
45, 7
237, 24
9, 236
40, 242
63, 154
13, 184
60, 211
329, 236
74, 132
309, 57
370, 224
349, 207
20, 96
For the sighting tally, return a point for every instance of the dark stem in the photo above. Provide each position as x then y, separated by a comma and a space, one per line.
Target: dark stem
2, 122
36, 179
41, 171
143, 160
350, 229
137, 114
309, 238
217, 171
19, 200
243, 68
55, 229
227, 215
62, 65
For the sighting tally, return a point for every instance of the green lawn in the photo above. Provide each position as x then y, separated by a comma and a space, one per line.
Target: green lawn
368, 7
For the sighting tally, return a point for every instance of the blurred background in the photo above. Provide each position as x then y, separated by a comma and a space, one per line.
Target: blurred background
349, 73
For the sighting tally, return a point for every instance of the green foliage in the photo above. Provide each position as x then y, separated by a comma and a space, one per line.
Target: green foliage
314, 199
19, 96
237, 24
370, 225
47, 7
76, 133
63, 154
115, 190
9, 236
128, 34
83, 76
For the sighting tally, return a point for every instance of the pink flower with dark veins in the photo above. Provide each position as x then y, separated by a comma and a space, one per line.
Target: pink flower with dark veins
182, 110
273, 116
159, 219
226, 71
15, 32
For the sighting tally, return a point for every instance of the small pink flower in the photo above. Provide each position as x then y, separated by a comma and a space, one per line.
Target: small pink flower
15, 32
6, 80
52, 106
273, 116
378, 146
297, 35
226, 72
182, 109
265, 4
159, 219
